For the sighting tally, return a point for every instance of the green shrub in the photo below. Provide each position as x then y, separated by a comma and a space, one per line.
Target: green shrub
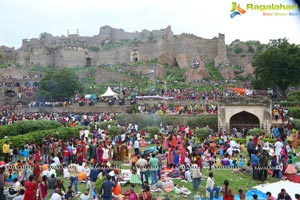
256, 132
145, 120
294, 96
250, 49
270, 140
204, 120
289, 104
114, 130
23, 127
152, 130
238, 50
295, 112
36, 137
104, 125
201, 133
296, 124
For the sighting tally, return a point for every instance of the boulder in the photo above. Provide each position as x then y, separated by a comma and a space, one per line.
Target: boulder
182, 61
196, 74
248, 71
166, 59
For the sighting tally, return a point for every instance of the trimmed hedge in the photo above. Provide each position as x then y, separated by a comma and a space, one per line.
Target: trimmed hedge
203, 121
23, 127
145, 120
37, 136
256, 131
295, 112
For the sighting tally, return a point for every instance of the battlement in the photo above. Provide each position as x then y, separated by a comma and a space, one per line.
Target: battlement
115, 34
242, 100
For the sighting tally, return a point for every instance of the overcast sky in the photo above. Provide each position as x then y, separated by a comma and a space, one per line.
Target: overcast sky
20, 19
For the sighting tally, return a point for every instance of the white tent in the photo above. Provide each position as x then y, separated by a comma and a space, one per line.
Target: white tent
290, 187
109, 93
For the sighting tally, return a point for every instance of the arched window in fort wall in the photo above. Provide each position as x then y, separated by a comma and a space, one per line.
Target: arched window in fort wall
88, 62
134, 56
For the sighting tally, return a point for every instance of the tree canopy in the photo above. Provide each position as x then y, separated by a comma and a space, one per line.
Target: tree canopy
278, 66
58, 84
44, 35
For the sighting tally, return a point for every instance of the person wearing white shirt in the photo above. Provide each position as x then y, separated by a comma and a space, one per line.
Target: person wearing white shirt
86, 134
50, 171
56, 195
138, 136
105, 155
123, 137
187, 175
136, 146
103, 136
190, 148
20, 196
278, 147
85, 196
15, 187
53, 165
211, 188
229, 151
80, 168
56, 160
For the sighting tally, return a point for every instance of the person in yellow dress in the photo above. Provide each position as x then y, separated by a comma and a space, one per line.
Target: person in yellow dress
295, 138
5, 151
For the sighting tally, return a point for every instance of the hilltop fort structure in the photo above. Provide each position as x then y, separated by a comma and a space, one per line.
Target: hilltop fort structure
116, 46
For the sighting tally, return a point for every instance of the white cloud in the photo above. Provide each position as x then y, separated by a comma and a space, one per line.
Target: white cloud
27, 19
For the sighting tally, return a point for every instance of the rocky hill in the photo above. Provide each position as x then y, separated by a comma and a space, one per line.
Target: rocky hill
147, 60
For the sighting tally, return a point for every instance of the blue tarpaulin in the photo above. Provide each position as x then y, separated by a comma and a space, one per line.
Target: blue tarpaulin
249, 195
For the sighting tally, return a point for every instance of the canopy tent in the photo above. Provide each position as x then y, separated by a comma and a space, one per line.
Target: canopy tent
275, 188
109, 93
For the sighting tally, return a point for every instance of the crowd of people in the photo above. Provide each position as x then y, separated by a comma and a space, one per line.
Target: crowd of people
174, 153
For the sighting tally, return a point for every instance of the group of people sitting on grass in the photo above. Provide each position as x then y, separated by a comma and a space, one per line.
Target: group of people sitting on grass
176, 154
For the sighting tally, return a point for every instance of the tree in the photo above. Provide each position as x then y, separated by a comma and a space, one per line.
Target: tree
44, 35
278, 65
58, 84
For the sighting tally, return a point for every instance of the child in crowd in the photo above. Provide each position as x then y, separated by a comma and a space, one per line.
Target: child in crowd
234, 159
242, 194
241, 161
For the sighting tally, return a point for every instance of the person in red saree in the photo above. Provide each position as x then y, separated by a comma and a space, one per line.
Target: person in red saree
36, 170
30, 189
170, 157
42, 186
99, 153
228, 193
182, 155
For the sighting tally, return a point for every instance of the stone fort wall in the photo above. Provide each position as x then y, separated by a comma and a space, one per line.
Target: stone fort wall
75, 50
